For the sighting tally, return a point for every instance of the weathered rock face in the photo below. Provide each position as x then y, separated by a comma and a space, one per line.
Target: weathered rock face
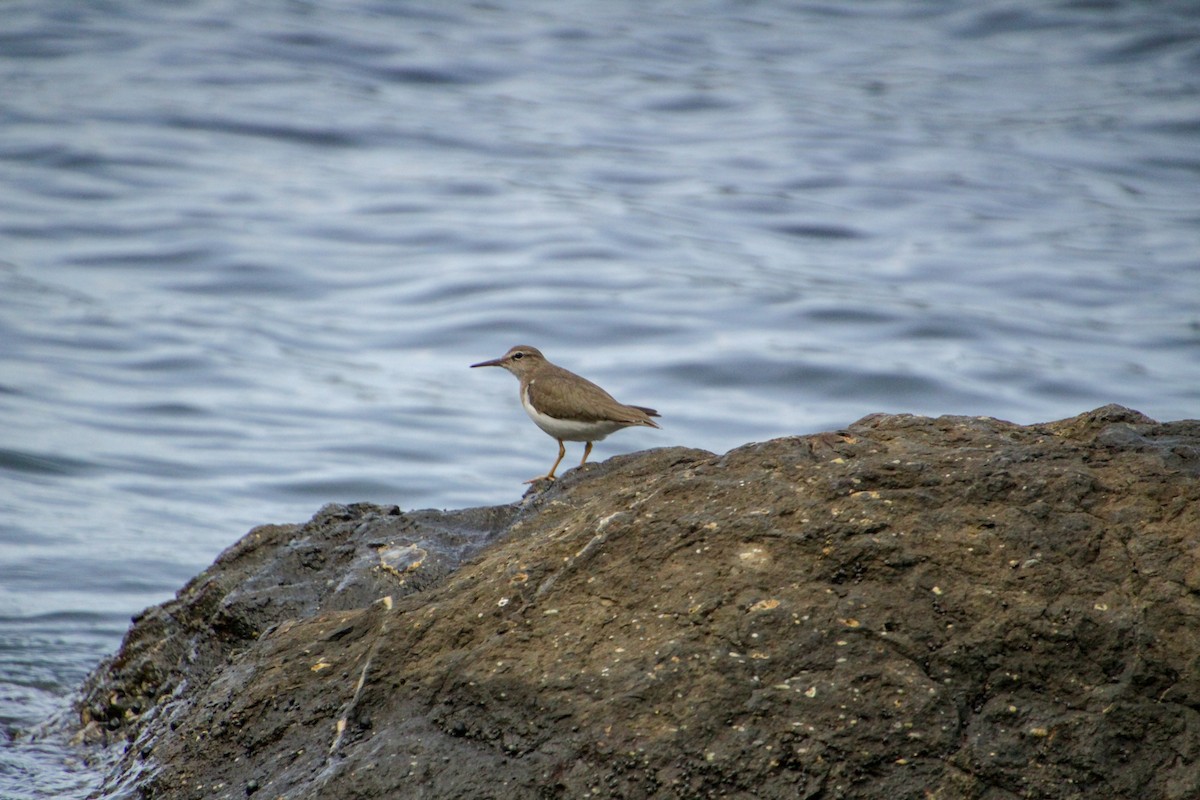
953, 607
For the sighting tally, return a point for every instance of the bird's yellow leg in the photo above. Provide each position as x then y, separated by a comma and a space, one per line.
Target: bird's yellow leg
586, 452
549, 476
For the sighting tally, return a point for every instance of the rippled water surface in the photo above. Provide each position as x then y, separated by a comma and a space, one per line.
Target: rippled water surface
249, 249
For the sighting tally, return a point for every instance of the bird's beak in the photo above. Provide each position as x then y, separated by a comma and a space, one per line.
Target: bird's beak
495, 362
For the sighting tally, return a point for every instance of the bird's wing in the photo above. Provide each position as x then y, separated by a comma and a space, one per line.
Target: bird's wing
565, 399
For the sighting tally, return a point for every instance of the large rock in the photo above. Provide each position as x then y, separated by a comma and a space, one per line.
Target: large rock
913, 607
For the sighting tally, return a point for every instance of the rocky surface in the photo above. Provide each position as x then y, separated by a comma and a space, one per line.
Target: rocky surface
910, 608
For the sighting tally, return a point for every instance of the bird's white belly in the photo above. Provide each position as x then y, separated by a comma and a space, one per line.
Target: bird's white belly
567, 429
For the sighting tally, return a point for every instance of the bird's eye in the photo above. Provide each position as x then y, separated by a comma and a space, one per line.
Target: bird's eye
518, 355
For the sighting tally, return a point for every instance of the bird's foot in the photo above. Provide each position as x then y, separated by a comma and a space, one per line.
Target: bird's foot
540, 478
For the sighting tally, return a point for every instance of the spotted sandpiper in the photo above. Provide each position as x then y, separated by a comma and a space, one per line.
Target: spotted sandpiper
564, 405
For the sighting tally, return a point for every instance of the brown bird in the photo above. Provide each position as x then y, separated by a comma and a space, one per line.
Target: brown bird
564, 405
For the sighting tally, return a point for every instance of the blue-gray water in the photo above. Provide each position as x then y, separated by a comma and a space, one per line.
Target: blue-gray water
249, 249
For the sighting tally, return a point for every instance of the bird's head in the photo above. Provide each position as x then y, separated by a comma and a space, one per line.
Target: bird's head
518, 360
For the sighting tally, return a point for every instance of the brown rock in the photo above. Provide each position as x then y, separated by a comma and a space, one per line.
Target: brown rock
953, 607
